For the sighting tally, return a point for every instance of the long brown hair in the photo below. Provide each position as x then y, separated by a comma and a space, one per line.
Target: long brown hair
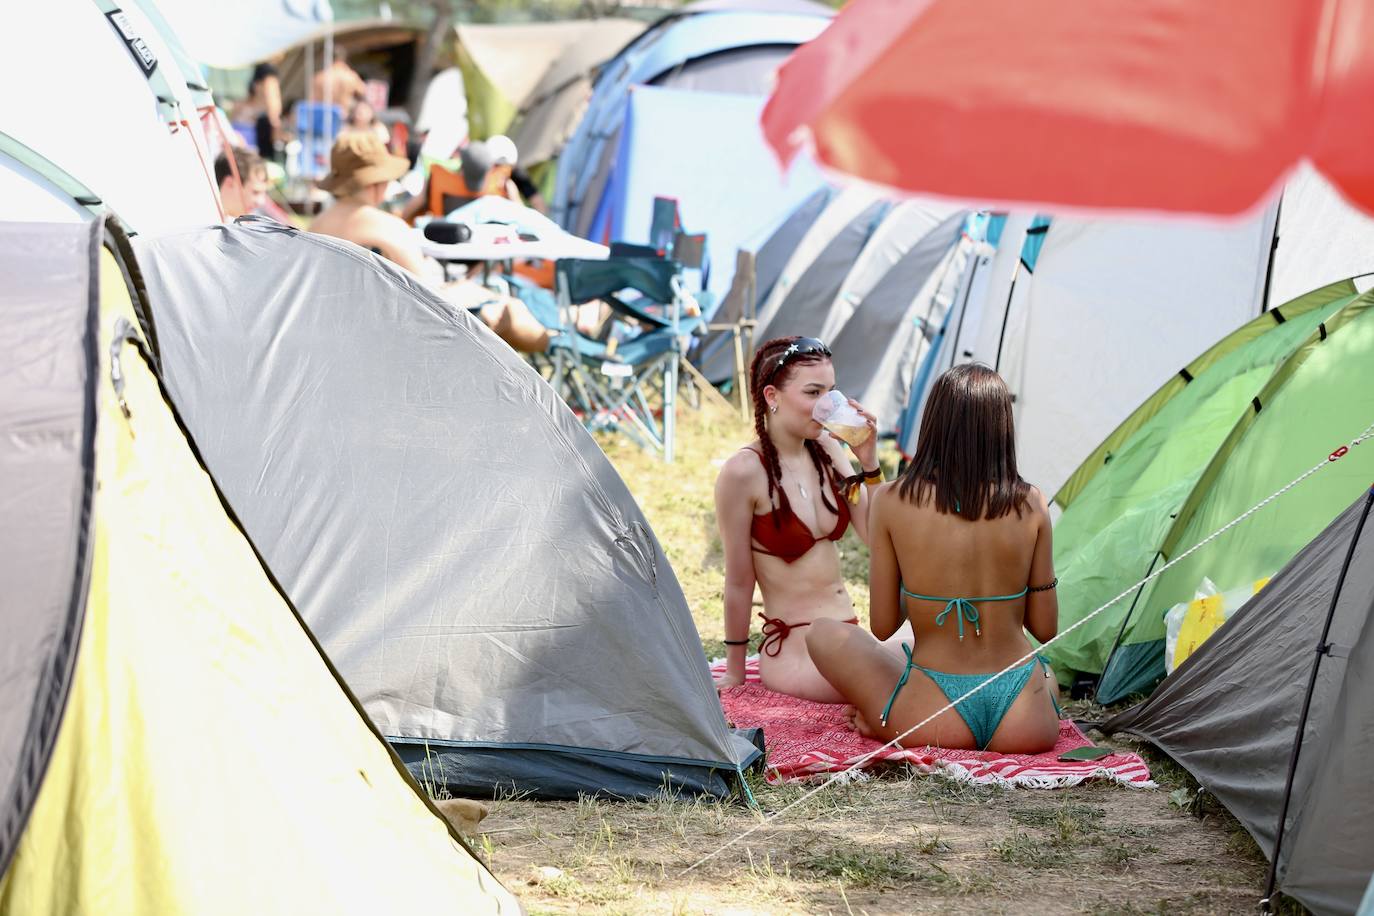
966, 450
771, 366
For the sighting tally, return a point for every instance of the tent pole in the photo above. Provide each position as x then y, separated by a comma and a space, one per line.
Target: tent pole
1273, 250
1323, 648
963, 310
1121, 633
328, 70
307, 154
1006, 316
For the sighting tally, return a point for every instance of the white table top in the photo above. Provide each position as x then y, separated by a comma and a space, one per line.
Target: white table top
566, 246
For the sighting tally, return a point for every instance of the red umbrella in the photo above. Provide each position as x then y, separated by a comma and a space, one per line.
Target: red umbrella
1184, 105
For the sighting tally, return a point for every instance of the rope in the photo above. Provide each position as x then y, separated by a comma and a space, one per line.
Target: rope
844, 775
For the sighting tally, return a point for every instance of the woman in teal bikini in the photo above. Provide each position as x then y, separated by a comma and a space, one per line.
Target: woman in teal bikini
960, 548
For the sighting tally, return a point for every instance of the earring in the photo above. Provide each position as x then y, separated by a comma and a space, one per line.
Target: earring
773, 409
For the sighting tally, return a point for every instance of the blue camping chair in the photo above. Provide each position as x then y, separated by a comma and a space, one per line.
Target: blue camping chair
616, 383
317, 125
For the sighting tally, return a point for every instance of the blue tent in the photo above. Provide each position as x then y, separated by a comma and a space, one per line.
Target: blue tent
718, 46
730, 188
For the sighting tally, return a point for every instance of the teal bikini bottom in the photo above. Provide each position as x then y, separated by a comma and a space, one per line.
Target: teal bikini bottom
983, 711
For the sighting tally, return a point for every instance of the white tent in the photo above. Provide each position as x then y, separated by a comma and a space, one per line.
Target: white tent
97, 94
1113, 307
1111, 310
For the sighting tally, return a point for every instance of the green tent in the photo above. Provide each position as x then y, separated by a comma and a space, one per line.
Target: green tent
1240, 421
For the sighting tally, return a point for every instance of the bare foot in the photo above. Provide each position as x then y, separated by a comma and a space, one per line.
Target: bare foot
859, 724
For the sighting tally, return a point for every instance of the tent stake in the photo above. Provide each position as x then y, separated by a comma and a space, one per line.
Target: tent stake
1266, 904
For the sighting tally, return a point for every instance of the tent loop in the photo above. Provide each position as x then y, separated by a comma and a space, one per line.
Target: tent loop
650, 554
256, 221
123, 332
859, 764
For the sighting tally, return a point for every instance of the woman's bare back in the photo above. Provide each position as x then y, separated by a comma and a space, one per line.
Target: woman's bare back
948, 557
960, 564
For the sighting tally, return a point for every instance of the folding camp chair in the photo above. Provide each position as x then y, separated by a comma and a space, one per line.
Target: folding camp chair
616, 383
317, 125
447, 191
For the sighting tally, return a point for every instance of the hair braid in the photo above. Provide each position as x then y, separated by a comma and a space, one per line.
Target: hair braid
772, 466
826, 472
764, 371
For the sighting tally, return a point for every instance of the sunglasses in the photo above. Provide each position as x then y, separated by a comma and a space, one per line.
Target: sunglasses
804, 346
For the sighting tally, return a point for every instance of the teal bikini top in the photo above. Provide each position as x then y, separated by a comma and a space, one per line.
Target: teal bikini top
963, 608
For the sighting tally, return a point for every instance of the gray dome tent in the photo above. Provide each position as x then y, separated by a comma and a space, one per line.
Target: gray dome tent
458, 543
168, 727
1230, 714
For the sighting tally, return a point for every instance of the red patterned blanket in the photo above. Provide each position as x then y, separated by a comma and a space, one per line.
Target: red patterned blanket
806, 739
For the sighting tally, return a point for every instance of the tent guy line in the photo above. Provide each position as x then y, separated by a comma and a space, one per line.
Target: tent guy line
844, 775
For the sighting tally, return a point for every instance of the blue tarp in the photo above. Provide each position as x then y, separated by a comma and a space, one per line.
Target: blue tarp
662, 49
707, 151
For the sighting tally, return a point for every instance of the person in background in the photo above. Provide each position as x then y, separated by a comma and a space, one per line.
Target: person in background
363, 119
262, 109
339, 84
242, 178
520, 185
360, 170
442, 124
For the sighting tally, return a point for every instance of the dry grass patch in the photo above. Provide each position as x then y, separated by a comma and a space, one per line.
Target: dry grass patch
890, 845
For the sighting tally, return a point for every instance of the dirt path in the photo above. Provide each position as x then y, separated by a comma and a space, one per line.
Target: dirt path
890, 845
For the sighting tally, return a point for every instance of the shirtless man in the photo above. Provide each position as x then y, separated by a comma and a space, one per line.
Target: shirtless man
360, 169
339, 84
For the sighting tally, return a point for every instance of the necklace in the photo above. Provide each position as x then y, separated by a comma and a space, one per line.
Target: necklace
801, 485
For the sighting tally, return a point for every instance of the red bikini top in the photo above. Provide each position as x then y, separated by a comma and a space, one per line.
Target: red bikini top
782, 534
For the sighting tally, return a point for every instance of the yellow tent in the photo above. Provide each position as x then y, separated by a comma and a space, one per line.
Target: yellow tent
172, 740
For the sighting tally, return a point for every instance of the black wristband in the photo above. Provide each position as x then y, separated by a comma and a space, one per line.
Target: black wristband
736, 642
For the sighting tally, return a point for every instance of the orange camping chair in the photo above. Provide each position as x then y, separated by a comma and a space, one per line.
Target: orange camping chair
447, 191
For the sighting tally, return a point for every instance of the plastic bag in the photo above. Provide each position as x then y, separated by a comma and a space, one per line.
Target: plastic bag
844, 422
1188, 624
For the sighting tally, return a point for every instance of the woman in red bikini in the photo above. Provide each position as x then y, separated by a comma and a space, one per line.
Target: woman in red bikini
781, 503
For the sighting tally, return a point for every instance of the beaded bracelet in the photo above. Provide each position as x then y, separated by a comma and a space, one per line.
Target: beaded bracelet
1045, 588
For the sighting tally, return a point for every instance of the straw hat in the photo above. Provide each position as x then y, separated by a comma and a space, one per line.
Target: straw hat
358, 160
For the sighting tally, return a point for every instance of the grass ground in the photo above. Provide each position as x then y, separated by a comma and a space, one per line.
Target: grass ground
895, 844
